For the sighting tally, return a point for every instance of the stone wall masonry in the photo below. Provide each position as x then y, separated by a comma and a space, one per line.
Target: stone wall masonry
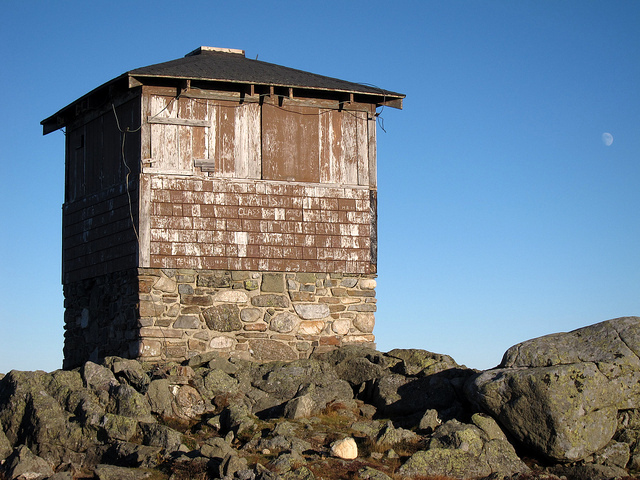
221, 224
101, 318
260, 316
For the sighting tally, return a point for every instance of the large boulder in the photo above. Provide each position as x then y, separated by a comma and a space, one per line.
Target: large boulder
560, 394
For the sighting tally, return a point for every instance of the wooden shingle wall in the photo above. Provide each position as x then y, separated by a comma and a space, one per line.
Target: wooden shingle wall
100, 212
217, 224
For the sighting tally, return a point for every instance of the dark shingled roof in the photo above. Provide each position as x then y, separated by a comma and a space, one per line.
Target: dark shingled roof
213, 64
219, 65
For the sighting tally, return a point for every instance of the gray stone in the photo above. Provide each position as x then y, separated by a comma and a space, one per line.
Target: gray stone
23, 463
251, 315
560, 394
61, 476
349, 282
156, 435
588, 471
118, 427
284, 322
160, 397
357, 370
421, 362
202, 359
272, 282
30, 415
132, 372
367, 283
216, 447
223, 318
98, 377
389, 435
615, 454
127, 401
270, 300
129, 454
463, 451
5, 445
368, 307
214, 279
266, 350
308, 288
285, 462
187, 321
188, 403
217, 382
185, 289
312, 311
112, 472
299, 407
306, 278
370, 473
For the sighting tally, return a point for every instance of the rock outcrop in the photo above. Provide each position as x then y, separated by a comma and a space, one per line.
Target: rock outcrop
561, 394
569, 400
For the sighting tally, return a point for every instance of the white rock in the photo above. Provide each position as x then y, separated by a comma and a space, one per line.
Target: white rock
345, 449
365, 322
165, 284
230, 296
341, 327
221, 342
367, 283
311, 327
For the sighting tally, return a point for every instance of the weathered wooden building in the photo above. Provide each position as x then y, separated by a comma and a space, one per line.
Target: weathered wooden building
219, 203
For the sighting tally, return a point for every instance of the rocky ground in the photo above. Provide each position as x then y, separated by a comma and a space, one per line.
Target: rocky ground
565, 405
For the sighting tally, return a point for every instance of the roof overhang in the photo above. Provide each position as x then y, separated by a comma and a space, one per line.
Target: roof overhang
346, 92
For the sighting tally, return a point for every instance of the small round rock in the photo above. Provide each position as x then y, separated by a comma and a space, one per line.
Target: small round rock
345, 449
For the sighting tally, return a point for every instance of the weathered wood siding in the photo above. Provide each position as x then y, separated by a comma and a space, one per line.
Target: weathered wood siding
231, 225
256, 185
98, 214
98, 237
256, 139
94, 150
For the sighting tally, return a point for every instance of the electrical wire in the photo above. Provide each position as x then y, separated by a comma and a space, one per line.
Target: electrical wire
123, 133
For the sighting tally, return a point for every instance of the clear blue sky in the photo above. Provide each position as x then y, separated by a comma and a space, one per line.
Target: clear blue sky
503, 215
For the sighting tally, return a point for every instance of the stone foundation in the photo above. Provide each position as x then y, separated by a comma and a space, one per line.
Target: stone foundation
253, 315
101, 318
172, 314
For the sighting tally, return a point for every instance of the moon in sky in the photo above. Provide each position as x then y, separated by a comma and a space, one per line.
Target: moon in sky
607, 138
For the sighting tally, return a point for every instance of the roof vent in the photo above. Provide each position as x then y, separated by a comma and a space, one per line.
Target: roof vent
200, 50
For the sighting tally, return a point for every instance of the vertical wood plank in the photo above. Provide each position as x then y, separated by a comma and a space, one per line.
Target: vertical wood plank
325, 138
254, 140
198, 134
362, 132
290, 144
145, 131
185, 146
226, 138
241, 142
373, 162
212, 133
144, 222
349, 144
